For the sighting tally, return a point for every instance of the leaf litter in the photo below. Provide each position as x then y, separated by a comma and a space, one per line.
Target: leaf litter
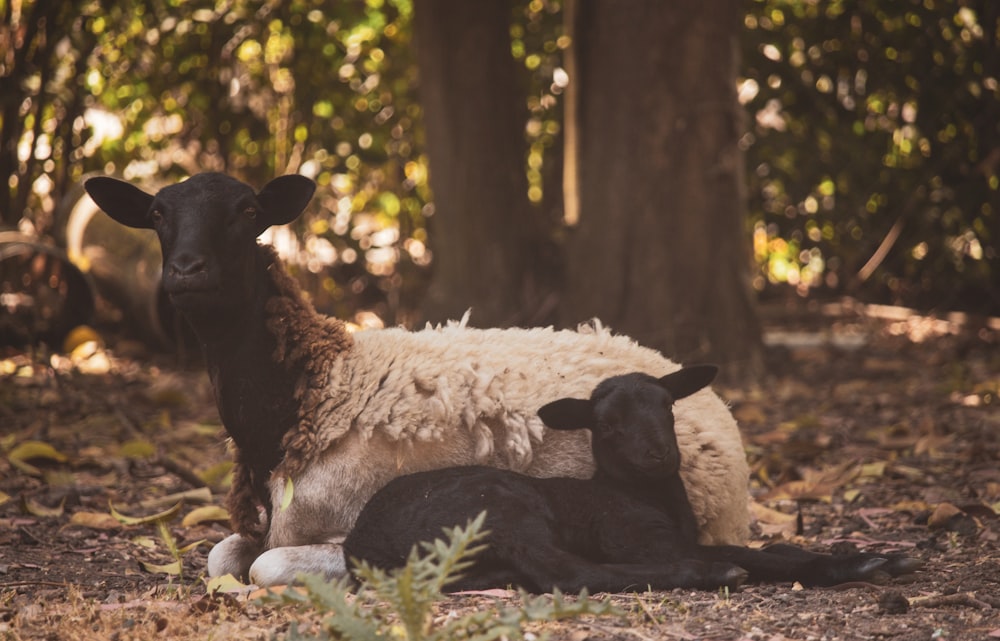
892, 447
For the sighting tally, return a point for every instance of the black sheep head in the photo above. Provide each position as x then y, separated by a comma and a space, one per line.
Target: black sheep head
207, 227
631, 421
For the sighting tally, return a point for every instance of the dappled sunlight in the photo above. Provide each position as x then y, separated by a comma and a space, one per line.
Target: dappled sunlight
891, 181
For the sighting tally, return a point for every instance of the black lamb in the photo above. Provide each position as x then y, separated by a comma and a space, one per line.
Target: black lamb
629, 527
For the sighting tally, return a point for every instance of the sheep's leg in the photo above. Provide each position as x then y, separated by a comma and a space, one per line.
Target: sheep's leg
788, 563
233, 555
281, 566
543, 568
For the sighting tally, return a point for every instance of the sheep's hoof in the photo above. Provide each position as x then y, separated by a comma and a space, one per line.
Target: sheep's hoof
233, 555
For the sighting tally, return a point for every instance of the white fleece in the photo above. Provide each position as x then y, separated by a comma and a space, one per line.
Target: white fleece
402, 401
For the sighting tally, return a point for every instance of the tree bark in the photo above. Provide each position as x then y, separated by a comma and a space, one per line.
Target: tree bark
661, 251
474, 115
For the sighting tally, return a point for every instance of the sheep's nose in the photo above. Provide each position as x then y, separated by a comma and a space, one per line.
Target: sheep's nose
187, 265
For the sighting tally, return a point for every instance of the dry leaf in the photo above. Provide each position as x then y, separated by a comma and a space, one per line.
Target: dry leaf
207, 513
941, 515
32, 450
144, 520
764, 514
78, 336
35, 508
875, 469
137, 450
144, 541
95, 520
932, 444
217, 475
184, 549
226, 583
197, 495
911, 506
774, 523
173, 568
799, 490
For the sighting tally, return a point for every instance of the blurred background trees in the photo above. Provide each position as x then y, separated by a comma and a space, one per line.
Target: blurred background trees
869, 129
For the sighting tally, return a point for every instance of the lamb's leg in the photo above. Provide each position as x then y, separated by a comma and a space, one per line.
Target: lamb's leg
788, 563
543, 568
233, 555
281, 566
896, 564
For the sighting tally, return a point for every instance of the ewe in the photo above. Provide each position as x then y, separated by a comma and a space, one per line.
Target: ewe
340, 414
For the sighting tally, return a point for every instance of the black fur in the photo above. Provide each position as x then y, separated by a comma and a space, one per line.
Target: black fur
630, 527
215, 274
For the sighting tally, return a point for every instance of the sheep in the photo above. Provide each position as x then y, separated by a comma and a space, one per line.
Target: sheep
320, 418
630, 527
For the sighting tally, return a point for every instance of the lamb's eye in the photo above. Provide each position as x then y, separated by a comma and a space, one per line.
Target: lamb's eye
250, 212
156, 216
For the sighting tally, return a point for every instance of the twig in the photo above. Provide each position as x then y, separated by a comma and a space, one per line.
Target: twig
959, 598
21, 584
180, 471
126, 420
851, 585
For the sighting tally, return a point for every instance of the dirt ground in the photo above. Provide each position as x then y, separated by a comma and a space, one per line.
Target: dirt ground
872, 429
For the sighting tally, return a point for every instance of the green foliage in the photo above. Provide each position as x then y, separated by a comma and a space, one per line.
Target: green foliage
401, 604
872, 140
160, 90
873, 148
162, 521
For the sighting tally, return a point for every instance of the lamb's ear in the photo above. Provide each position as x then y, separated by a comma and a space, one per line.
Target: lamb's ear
283, 199
568, 414
689, 380
123, 201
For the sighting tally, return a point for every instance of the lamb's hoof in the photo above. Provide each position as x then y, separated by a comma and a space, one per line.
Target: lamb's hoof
898, 565
869, 565
727, 575
735, 578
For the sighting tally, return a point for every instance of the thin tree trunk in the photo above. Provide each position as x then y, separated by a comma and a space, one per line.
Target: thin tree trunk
661, 251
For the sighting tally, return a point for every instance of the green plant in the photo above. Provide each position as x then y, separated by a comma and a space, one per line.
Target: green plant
400, 604
162, 521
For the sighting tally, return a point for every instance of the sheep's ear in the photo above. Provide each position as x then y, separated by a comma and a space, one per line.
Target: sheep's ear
123, 201
283, 199
568, 414
689, 380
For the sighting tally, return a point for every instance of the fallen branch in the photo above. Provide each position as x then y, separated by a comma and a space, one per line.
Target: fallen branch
967, 599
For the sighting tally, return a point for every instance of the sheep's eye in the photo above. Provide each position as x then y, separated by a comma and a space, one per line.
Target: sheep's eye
156, 216
250, 212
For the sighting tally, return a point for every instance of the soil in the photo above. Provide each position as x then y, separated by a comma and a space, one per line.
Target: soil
873, 429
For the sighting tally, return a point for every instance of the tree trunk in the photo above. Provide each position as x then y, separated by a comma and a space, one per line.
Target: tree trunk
474, 115
661, 251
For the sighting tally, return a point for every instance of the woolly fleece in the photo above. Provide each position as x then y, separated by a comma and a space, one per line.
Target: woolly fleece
387, 402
